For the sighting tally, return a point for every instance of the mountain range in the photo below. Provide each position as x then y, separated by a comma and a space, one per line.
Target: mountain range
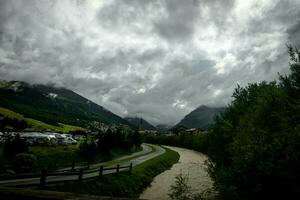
53, 105
202, 117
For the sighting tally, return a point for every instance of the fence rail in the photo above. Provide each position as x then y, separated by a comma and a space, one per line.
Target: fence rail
80, 173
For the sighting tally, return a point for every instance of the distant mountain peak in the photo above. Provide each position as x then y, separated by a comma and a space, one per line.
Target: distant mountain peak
53, 105
202, 117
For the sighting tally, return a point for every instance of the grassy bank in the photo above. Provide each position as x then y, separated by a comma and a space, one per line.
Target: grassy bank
124, 184
8, 193
62, 156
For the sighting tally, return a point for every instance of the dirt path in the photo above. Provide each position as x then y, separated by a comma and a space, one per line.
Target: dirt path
191, 163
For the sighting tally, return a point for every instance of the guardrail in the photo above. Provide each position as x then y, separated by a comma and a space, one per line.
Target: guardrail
44, 174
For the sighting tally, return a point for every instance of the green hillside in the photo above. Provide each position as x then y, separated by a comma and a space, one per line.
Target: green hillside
36, 124
52, 105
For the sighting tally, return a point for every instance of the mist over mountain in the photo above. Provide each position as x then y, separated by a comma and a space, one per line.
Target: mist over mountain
202, 117
154, 58
140, 123
53, 105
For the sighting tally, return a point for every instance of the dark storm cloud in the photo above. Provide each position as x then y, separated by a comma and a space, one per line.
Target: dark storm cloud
157, 59
294, 33
178, 21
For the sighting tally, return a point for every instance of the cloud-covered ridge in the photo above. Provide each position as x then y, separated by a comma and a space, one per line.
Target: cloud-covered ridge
157, 59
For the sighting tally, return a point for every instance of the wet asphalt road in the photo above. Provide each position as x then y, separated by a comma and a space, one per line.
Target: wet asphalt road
62, 178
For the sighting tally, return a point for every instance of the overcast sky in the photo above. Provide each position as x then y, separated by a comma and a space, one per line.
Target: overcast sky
153, 59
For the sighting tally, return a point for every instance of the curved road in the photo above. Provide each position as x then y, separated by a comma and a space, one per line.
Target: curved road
54, 179
145, 149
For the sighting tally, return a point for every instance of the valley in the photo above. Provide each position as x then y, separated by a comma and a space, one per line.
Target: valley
149, 99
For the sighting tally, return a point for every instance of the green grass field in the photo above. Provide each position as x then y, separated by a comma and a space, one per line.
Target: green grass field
65, 128
63, 156
124, 184
54, 157
57, 157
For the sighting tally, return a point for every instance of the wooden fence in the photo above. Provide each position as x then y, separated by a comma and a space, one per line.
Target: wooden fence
80, 173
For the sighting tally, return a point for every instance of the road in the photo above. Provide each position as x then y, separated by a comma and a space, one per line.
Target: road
62, 178
145, 149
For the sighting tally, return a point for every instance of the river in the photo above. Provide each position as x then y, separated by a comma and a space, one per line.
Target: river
192, 164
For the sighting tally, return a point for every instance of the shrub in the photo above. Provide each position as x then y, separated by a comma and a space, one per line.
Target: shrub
180, 190
88, 148
25, 162
14, 146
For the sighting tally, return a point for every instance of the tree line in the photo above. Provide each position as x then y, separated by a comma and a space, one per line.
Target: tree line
104, 141
198, 142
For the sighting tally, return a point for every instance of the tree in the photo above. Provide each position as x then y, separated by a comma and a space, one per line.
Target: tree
88, 148
254, 146
15, 145
105, 141
25, 162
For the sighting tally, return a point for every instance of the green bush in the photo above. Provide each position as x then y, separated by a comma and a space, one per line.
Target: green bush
25, 162
180, 189
88, 148
15, 145
254, 146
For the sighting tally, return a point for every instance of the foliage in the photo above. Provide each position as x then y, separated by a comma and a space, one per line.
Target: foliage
25, 162
14, 123
88, 148
180, 190
122, 139
54, 157
14, 145
132, 139
254, 146
58, 157
198, 142
35, 123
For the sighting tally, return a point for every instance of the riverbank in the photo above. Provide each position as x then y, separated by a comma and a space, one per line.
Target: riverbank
192, 164
124, 184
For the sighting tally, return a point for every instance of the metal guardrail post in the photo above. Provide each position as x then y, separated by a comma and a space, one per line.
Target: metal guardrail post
101, 170
80, 175
130, 167
118, 168
43, 178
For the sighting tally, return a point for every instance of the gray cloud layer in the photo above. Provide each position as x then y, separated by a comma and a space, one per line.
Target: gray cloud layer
158, 59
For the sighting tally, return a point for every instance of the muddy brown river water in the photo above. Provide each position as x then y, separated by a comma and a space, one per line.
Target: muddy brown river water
191, 163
